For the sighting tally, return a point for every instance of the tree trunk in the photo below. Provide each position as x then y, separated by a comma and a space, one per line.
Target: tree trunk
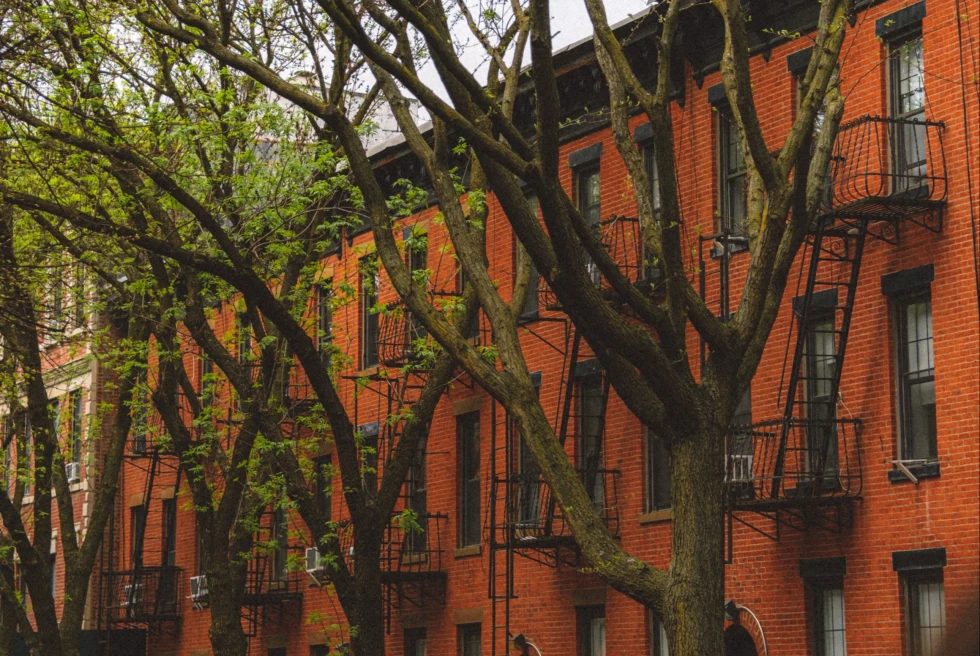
367, 630
695, 595
225, 596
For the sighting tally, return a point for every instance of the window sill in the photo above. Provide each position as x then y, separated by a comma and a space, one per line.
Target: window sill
919, 470
468, 551
656, 516
370, 371
735, 245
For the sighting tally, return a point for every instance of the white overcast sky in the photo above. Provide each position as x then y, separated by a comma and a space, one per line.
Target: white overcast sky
569, 23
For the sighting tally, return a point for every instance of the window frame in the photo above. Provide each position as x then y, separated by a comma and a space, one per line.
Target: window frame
728, 135
591, 212
653, 501
369, 321
76, 423
417, 500
598, 484
469, 485
906, 438
657, 634
324, 321
585, 617
412, 639
902, 180
532, 306
465, 633
323, 484
280, 534
137, 520
816, 590
910, 581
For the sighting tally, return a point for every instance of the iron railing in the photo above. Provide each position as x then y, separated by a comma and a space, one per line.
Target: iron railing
889, 169
145, 595
789, 461
414, 546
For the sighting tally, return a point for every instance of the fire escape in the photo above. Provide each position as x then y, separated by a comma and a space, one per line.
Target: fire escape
524, 517
804, 468
141, 595
413, 564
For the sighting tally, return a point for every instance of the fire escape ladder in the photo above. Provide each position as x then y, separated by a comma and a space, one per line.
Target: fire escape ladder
823, 325
134, 597
501, 574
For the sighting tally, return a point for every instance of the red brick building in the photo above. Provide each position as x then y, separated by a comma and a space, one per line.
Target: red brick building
854, 520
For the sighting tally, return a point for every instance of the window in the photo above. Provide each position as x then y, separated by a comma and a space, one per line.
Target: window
591, 407
139, 412
137, 515
917, 382
417, 500
369, 455
168, 577
821, 369
53, 571
277, 651
650, 162
28, 442
659, 645
589, 204
75, 432
658, 473
468, 430
530, 308
908, 101
9, 438
207, 381
529, 511
827, 612
416, 256
469, 639
415, 642
324, 322
322, 472
57, 319
79, 311
319, 650
280, 535
926, 612
731, 164
370, 282
591, 622
244, 339
200, 549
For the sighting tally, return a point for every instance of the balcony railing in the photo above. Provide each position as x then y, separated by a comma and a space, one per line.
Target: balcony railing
887, 169
146, 595
414, 547
793, 462
533, 518
401, 338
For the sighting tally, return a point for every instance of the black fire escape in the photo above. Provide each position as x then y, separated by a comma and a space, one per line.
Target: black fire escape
524, 517
804, 468
140, 595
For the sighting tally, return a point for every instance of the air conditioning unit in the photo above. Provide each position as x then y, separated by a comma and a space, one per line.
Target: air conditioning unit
199, 589
132, 595
73, 471
313, 564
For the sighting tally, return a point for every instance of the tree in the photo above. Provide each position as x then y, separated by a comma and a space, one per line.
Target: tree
648, 364
34, 316
230, 199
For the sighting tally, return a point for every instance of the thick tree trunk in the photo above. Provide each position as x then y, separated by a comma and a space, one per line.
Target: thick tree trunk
695, 594
367, 628
225, 596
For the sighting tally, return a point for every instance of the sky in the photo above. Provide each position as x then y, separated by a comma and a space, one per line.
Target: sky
569, 23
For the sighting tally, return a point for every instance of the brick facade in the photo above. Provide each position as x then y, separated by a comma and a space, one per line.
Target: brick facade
891, 514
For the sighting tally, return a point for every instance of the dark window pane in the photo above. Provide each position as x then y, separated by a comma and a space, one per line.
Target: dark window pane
926, 614
468, 427
589, 204
917, 378
370, 282
829, 636
821, 365
325, 322
733, 177
591, 417
322, 484
469, 639
658, 473
591, 621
